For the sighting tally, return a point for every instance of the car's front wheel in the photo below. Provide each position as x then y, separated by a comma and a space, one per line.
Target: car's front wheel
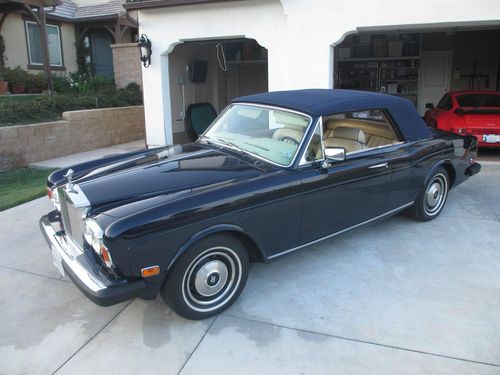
432, 197
207, 278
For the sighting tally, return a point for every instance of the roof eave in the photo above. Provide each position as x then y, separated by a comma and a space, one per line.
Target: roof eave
148, 4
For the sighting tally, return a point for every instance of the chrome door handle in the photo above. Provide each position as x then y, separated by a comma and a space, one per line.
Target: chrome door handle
381, 165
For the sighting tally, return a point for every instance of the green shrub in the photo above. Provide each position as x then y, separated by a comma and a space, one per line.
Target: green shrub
49, 108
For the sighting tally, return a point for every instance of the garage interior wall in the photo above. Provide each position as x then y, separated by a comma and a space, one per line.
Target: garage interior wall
220, 87
482, 47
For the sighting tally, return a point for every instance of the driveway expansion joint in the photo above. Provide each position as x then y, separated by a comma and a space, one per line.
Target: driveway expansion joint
35, 274
363, 341
92, 338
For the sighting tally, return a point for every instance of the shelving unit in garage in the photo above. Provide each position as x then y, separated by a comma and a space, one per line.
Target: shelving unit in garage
387, 63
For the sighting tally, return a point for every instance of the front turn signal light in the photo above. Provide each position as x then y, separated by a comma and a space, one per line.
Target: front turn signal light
150, 271
106, 256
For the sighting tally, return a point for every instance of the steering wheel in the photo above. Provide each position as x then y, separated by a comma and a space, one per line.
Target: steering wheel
289, 140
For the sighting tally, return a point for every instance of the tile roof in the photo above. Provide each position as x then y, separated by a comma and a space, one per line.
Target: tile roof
72, 12
113, 7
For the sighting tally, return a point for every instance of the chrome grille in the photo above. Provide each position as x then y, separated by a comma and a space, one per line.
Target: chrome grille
71, 218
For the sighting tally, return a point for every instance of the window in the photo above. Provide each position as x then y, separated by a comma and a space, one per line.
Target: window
35, 44
479, 100
359, 131
269, 133
314, 150
445, 103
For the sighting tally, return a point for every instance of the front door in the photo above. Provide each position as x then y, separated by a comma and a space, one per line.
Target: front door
435, 72
344, 195
102, 57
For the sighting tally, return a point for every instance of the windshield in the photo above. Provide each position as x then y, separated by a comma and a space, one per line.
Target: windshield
479, 100
271, 134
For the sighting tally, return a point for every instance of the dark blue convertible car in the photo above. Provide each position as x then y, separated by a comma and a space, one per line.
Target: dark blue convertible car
274, 173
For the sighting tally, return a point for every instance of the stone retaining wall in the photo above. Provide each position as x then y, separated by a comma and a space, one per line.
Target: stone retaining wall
78, 131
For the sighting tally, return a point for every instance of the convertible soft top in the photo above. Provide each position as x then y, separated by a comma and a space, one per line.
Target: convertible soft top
324, 102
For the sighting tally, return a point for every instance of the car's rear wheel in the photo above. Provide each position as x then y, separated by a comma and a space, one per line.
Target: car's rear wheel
207, 278
432, 197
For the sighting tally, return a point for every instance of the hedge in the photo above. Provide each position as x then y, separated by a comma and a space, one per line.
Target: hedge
50, 108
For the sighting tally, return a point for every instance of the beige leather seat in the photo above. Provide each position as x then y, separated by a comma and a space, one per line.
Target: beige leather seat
377, 141
350, 138
295, 132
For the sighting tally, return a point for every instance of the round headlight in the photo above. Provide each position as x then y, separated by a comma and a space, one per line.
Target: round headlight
93, 235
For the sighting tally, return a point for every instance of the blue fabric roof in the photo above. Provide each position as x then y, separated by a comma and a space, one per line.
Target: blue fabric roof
324, 102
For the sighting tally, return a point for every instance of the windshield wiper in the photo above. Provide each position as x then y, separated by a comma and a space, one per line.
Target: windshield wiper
231, 145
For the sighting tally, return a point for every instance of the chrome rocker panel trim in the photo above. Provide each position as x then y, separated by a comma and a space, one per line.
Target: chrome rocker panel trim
78, 267
389, 213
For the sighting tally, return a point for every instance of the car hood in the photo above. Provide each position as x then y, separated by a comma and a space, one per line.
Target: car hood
198, 167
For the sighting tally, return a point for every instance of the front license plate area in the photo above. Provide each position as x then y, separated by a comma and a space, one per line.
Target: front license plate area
491, 138
57, 260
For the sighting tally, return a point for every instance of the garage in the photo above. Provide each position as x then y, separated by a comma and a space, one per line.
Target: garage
420, 66
205, 75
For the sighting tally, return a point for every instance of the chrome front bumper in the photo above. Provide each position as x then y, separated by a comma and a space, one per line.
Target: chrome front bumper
84, 272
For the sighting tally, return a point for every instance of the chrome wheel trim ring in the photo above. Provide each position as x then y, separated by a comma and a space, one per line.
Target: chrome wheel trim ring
435, 194
226, 290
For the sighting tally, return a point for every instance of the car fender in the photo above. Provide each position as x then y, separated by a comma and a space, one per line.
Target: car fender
218, 228
448, 165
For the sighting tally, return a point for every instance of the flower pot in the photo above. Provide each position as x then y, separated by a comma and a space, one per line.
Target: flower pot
18, 89
4, 87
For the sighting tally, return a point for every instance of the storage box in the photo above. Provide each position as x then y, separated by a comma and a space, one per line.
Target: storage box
344, 52
362, 51
379, 48
392, 88
395, 48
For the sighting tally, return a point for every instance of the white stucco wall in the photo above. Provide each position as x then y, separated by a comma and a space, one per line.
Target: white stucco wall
297, 33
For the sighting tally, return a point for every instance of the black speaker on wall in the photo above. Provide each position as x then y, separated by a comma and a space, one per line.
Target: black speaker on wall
199, 71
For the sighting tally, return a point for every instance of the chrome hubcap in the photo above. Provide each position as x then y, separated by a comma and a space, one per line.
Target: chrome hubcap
211, 278
435, 194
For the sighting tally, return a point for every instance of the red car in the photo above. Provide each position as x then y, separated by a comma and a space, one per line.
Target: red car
468, 112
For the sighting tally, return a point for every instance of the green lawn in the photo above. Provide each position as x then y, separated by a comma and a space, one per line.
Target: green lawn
22, 185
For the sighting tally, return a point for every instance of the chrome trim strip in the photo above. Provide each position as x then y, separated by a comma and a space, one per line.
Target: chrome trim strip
72, 255
258, 156
342, 231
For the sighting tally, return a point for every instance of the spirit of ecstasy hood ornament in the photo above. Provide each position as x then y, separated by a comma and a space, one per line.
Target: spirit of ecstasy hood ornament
69, 175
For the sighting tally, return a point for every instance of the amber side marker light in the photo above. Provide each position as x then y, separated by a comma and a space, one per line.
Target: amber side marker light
150, 271
49, 193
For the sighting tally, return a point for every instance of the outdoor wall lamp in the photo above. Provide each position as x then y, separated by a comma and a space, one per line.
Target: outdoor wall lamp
145, 46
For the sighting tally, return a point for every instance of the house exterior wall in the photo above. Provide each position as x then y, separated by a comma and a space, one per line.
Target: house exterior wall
16, 48
298, 35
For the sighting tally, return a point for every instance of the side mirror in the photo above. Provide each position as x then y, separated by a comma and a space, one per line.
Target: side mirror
429, 105
333, 154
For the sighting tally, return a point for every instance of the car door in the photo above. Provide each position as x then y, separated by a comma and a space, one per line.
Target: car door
345, 194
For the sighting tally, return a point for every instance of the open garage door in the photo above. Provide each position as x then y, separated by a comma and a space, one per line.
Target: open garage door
206, 75
420, 66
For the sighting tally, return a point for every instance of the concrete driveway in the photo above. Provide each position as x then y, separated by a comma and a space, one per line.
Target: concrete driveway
396, 297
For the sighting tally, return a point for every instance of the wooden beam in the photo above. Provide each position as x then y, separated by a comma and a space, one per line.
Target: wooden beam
122, 33
45, 49
33, 14
33, 3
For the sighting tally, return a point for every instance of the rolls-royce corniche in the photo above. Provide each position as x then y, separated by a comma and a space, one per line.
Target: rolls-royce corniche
274, 173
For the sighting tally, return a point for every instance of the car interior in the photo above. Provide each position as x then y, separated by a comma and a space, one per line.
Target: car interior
355, 132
